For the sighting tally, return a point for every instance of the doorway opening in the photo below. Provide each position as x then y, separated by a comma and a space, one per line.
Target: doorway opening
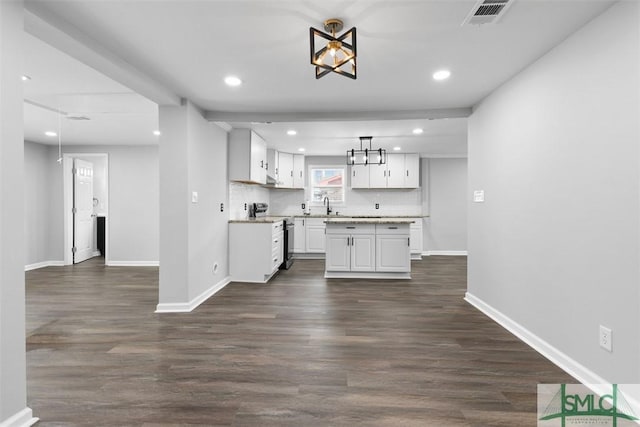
86, 206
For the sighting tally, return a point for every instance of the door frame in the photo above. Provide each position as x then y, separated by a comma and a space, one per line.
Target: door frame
67, 181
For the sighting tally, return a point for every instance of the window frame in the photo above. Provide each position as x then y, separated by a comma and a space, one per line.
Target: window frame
311, 186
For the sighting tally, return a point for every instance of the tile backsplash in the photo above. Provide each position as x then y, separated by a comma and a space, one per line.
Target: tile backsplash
239, 194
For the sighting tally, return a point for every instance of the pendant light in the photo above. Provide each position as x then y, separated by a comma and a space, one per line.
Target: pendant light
366, 156
338, 55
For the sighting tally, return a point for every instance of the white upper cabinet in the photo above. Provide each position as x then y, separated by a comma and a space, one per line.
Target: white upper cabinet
285, 170
359, 176
247, 157
395, 171
412, 170
298, 171
290, 170
400, 171
272, 164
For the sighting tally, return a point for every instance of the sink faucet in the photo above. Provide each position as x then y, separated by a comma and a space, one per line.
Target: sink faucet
326, 200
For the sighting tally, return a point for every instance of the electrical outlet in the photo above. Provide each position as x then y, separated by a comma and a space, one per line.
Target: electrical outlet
303, 206
245, 206
606, 338
377, 205
221, 207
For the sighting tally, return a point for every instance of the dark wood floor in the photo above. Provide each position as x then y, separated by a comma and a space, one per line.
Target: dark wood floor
300, 351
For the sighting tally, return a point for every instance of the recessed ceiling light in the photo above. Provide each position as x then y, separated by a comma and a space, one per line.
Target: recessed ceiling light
397, 148
301, 149
156, 132
50, 133
291, 132
417, 131
441, 75
232, 81
25, 78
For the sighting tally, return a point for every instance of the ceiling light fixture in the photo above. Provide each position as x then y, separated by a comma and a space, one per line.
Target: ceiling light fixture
366, 156
232, 81
156, 132
301, 150
291, 132
397, 148
417, 131
441, 75
25, 78
338, 52
51, 133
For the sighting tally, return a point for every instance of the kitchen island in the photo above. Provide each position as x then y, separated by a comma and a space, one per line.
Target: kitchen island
368, 248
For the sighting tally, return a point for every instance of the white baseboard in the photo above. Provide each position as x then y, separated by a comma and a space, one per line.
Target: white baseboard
112, 263
43, 264
23, 418
96, 253
560, 359
446, 253
187, 307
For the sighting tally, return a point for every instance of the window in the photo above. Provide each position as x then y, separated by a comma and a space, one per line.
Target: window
327, 182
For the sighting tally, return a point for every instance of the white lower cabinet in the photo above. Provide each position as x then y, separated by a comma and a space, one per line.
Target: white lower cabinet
315, 235
415, 231
255, 250
351, 248
393, 248
299, 236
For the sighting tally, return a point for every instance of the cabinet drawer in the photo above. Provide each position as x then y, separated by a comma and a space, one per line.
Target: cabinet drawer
276, 227
397, 229
351, 229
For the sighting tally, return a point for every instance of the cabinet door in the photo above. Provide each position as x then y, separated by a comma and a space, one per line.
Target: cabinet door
416, 236
285, 170
393, 253
412, 170
395, 171
315, 238
272, 163
363, 251
338, 252
299, 236
377, 176
359, 176
258, 159
298, 171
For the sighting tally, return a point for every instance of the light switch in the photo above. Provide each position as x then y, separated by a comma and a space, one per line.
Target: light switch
478, 196
194, 197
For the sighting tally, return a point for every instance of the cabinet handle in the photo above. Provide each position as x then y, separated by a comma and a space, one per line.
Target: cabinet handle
352, 241
384, 173
408, 241
354, 173
407, 172
348, 244
389, 172
392, 228
266, 166
303, 222
351, 228
262, 163
275, 241
300, 174
291, 174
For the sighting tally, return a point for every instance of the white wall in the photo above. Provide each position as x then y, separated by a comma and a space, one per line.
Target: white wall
445, 184
555, 246
133, 219
208, 226
37, 219
193, 236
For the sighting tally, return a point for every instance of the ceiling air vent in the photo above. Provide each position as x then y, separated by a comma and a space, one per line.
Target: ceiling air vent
487, 12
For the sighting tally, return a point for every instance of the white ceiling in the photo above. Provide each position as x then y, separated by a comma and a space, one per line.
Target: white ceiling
190, 46
118, 116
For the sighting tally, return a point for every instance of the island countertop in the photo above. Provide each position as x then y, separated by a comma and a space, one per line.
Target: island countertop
383, 220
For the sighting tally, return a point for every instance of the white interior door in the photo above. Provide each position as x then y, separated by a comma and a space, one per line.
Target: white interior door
82, 210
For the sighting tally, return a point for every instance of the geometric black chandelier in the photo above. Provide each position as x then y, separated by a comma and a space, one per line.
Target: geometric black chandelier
366, 156
337, 54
